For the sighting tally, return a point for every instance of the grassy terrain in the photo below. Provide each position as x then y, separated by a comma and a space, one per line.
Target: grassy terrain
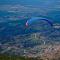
7, 57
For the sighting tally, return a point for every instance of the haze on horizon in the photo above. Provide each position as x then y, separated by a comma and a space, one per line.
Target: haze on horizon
30, 2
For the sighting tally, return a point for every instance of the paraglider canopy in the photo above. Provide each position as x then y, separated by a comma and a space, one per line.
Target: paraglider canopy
39, 24
37, 19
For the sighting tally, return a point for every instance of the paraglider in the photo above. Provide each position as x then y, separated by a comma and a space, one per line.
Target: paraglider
30, 21
41, 24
